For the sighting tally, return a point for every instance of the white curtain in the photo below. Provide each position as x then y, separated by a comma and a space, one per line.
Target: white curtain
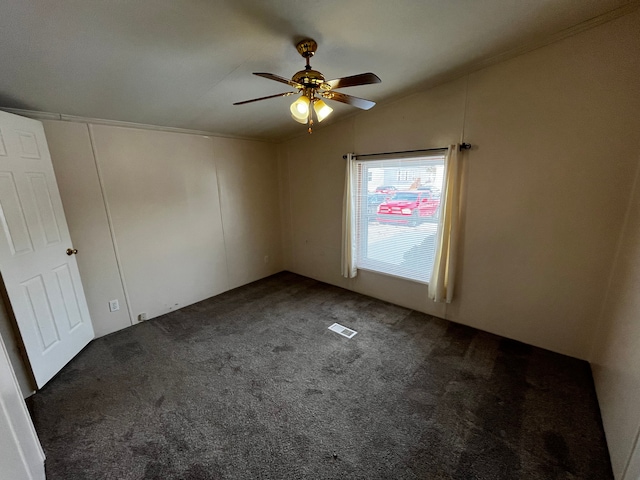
444, 266
349, 269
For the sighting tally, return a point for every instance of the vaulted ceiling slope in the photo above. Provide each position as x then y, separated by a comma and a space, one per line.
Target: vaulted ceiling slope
182, 63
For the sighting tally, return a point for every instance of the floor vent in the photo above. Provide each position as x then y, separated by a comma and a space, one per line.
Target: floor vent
344, 331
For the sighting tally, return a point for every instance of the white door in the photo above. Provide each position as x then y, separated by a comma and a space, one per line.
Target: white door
21, 456
41, 278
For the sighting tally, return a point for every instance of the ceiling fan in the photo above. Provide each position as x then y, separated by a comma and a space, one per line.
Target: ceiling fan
313, 88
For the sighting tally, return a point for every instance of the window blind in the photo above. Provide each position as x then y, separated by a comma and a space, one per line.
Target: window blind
397, 206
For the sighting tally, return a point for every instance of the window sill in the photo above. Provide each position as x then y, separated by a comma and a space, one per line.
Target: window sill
378, 272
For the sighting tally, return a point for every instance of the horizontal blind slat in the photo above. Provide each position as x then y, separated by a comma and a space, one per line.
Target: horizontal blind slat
397, 206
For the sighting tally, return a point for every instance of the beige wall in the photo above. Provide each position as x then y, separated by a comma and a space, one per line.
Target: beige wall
249, 189
555, 135
79, 186
162, 220
181, 210
162, 195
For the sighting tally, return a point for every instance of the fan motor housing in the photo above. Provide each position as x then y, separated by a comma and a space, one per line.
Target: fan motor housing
308, 78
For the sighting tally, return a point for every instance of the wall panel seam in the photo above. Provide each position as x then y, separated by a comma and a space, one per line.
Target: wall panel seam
107, 209
224, 236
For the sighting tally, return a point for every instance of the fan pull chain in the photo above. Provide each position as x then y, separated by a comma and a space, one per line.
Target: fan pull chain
313, 101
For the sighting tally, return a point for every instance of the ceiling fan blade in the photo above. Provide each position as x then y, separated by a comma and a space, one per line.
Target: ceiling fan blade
285, 94
278, 78
349, 100
352, 81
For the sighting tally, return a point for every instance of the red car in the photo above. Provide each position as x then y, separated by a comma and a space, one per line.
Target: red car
410, 207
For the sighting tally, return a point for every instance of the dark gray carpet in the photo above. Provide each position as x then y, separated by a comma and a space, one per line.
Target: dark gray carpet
252, 385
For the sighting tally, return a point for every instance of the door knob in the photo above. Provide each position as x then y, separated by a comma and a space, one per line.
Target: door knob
72, 251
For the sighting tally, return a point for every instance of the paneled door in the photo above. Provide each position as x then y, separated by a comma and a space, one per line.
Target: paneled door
37, 260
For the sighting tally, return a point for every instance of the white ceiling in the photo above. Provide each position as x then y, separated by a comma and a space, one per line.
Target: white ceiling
182, 63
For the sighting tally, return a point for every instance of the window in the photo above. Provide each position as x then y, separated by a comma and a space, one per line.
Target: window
397, 218
403, 175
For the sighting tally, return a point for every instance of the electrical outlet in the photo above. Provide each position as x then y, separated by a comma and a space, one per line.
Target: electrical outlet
142, 317
266, 259
114, 306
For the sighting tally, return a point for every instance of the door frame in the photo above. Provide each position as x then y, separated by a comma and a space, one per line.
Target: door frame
20, 450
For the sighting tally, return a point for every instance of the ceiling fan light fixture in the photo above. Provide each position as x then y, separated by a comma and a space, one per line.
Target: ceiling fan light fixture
300, 109
322, 109
310, 84
302, 120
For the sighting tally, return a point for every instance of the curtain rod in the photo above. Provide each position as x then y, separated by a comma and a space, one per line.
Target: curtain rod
463, 146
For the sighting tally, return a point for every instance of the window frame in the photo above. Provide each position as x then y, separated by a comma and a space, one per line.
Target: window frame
362, 174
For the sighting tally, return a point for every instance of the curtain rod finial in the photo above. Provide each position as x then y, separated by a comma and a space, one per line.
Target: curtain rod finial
465, 146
